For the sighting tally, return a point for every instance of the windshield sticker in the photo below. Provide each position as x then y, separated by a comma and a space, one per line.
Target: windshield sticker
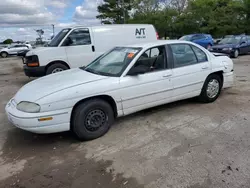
131, 55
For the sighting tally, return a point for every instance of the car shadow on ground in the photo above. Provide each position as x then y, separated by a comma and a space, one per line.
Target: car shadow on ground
17, 138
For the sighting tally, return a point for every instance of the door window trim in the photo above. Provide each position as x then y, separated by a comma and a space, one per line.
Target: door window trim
165, 59
192, 47
173, 59
69, 33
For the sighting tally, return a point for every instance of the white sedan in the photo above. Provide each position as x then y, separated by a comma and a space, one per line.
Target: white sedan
122, 81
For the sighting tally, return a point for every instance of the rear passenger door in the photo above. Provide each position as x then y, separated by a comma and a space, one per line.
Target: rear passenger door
190, 70
244, 45
248, 43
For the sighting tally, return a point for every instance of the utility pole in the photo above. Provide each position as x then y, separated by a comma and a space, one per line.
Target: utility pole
53, 26
124, 14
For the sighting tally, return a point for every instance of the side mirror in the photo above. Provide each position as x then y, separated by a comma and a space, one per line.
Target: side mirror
67, 42
244, 42
134, 71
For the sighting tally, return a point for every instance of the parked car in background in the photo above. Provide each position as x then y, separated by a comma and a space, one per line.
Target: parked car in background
233, 45
23, 53
204, 40
122, 81
78, 46
13, 50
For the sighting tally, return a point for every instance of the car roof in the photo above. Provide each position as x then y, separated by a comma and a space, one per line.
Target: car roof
156, 43
108, 25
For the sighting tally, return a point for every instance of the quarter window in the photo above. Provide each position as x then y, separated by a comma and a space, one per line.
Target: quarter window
78, 37
201, 56
152, 59
183, 55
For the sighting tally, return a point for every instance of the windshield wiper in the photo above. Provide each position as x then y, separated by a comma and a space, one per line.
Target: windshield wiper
91, 71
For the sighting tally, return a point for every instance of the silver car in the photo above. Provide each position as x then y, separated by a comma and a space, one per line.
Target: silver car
13, 50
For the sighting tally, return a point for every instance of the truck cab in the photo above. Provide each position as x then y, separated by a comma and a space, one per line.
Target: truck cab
79, 46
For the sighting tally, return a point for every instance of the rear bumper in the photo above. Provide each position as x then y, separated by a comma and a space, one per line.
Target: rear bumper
34, 71
228, 79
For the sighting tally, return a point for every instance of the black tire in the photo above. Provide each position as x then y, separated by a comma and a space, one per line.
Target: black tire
57, 66
204, 96
236, 53
4, 54
86, 128
209, 46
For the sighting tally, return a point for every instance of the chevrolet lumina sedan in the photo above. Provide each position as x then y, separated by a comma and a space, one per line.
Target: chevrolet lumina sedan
124, 80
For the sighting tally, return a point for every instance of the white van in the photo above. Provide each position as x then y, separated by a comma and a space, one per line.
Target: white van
79, 46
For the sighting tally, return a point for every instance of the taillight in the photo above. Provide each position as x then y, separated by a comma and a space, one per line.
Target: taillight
157, 36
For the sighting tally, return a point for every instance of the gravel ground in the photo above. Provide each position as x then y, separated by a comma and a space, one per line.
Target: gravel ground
179, 145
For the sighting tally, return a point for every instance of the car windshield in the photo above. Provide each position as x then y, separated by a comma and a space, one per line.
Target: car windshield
231, 40
58, 38
114, 62
186, 38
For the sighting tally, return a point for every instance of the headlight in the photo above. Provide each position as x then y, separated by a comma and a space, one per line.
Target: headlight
28, 107
227, 49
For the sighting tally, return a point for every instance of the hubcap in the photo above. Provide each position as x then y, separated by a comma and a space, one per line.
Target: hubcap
236, 53
213, 88
57, 70
94, 120
4, 54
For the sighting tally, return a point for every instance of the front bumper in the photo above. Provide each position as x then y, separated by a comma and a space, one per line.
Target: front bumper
34, 71
30, 122
228, 52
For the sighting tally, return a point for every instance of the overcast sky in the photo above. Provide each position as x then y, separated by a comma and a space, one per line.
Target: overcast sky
19, 18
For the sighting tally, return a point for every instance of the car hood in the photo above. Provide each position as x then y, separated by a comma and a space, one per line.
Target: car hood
47, 85
221, 46
38, 50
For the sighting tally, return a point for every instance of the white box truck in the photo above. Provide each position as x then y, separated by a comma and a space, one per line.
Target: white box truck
79, 46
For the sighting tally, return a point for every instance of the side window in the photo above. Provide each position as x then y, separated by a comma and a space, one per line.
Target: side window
78, 37
153, 59
248, 38
183, 55
198, 37
244, 39
201, 56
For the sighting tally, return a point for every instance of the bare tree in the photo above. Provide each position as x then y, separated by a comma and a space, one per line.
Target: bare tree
179, 5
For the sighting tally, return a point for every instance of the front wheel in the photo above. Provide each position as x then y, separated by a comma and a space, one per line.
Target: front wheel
4, 54
236, 53
211, 89
55, 68
92, 119
209, 46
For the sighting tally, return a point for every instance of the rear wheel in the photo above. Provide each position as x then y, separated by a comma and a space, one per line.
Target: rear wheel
92, 119
4, 54
55, 68
211, 89
209, 46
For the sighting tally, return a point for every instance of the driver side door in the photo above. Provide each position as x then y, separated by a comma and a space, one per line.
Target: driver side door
79, 48
152, 88
244, 45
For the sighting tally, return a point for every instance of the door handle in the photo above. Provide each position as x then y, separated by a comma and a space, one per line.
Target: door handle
167, 75
93, 48
204, 68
